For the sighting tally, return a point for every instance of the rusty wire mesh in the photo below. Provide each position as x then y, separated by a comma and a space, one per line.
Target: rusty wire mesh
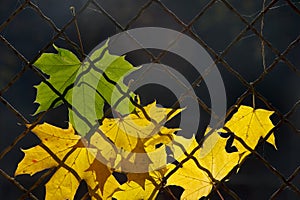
29, 28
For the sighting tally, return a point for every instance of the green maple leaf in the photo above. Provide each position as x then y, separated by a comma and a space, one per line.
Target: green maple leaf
62, 69
84, 85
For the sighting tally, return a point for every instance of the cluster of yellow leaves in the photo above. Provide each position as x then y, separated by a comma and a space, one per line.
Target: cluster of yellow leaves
135, 138
130, 143
212, 163
63, 150
74, 160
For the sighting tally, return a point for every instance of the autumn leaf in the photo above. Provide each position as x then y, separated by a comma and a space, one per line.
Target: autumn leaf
102, 184
165, 136
218, 160
131, 190
73, 162
220, 153
98, 79
139, 140
59, 141
108, 151
126, 131
63, 184
195, 182
250, 125
200, 174
136, 139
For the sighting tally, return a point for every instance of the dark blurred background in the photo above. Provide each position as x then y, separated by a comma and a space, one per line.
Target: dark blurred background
29, 33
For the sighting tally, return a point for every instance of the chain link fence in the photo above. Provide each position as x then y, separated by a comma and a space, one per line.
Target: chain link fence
255, 45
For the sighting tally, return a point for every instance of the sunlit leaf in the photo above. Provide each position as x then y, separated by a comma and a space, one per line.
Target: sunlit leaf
132, 190
220, 153
86, 86
126, 131
215, 165
251, 124
73, 162
62, 69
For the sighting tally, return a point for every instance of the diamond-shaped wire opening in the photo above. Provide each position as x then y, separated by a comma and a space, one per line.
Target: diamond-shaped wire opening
129, 9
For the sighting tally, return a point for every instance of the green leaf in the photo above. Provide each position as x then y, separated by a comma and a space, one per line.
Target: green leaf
85, 85
62, 68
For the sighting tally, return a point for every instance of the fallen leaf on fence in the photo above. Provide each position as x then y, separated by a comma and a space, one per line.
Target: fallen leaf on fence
132, 190
102, 184
250, 125
136, 136
200, 174
220, 153
139, 140
125, 132
73, 162
59, 141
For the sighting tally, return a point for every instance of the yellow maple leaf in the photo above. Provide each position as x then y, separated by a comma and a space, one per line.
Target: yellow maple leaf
250, 124
164, 136
125, 132
135, 141
215, 163
62, 149
63, 184
220, 154
136, 138
134, 135
60, 141
108, 151
102, 184
131, 190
